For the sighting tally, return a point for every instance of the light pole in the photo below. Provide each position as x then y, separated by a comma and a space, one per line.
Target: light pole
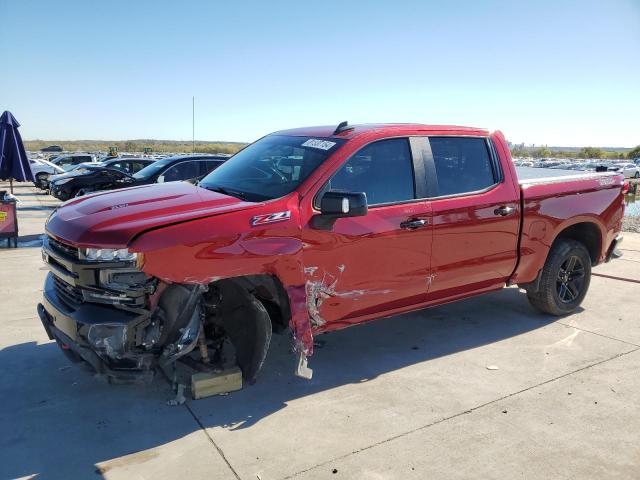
193, 124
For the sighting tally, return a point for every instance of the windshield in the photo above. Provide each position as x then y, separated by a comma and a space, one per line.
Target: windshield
148, 171
271, 167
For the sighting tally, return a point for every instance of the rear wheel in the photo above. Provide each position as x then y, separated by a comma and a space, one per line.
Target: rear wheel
564, 280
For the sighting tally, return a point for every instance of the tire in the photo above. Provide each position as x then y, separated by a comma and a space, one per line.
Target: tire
81, 192
637, 175
40, 180
564, 280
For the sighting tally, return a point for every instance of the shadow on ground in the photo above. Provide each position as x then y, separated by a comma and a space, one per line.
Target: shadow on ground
59, 422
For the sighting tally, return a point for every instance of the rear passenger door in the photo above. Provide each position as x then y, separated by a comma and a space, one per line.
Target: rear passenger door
475, 217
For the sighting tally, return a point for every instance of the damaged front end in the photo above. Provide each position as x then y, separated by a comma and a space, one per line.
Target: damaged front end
104, 310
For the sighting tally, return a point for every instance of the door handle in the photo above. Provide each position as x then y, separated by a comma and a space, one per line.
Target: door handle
504, 210
413, 223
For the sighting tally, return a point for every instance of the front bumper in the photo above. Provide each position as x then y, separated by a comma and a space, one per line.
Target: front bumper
71, 328
59, 191
95, 312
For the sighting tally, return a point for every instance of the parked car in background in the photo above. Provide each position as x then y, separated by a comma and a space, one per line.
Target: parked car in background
103, 161
42, 169
94, 178
90, 177
69, 161
629, 170
179, 167
52, 148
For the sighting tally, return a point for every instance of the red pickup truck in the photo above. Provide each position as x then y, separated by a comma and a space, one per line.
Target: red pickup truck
312, 230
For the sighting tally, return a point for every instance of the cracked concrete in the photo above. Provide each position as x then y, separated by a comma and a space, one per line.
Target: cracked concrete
404, 397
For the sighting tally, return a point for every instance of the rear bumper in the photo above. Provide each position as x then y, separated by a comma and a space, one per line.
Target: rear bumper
613, 251
107, 354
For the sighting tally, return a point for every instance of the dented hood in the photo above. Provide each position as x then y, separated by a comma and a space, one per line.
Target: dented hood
113, 219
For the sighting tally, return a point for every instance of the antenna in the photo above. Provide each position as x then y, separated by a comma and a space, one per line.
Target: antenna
342, 127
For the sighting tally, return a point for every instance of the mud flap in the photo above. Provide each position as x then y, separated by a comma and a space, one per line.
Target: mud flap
248, 326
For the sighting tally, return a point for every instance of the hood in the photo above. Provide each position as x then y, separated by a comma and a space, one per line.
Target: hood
113, 219
82, 169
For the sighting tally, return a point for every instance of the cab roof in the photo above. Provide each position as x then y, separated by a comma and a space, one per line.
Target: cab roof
328, 131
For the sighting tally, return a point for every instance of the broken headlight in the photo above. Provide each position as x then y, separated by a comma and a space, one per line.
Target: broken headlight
109, 254
110, 339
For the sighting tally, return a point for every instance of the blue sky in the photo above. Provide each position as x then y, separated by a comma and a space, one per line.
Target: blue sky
544, 72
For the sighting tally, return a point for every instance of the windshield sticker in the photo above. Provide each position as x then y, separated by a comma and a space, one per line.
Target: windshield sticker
270, 218
321, 144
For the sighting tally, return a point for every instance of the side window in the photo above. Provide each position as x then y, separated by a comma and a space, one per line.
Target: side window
181, 171
118, 166
209, 166
66, 163
136, 167
462, 165
79, 160
383, 170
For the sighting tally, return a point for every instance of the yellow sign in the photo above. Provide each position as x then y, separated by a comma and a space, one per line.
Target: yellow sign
3, 216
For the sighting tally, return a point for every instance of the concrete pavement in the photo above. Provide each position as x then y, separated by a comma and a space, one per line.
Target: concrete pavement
404, 397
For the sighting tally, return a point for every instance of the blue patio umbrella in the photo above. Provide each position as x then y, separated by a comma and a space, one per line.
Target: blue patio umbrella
14, 164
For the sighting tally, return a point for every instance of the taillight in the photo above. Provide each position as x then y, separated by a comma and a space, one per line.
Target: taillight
625, 188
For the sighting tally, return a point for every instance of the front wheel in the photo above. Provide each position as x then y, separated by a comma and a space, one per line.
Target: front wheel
82, 192
41, 179
564, 280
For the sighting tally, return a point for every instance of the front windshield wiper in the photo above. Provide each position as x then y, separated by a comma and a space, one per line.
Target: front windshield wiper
226, 191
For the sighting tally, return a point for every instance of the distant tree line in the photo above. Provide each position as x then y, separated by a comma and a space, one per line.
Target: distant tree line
157, 146
586, 152
165, 146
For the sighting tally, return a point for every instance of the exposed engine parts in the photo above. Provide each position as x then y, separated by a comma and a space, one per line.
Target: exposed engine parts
128, 324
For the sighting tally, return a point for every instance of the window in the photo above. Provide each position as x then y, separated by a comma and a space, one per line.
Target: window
180, 171
136, 167
272, 167
208, 166
66, 163
462, 165
383, 170
118, 166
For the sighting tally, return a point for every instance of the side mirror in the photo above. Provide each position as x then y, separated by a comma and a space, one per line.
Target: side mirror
160, 179
335, 205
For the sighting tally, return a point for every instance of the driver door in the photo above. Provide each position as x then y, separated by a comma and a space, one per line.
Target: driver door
377, 262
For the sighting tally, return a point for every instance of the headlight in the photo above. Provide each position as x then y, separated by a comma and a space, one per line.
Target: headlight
109, 254
110, 339
61, 182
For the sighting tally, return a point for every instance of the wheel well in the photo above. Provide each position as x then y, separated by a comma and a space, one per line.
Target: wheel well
586, 233
268, 289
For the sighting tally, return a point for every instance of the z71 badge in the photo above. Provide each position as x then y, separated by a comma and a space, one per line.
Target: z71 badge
270, 218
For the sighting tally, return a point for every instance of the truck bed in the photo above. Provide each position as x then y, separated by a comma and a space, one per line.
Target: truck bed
531, 175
